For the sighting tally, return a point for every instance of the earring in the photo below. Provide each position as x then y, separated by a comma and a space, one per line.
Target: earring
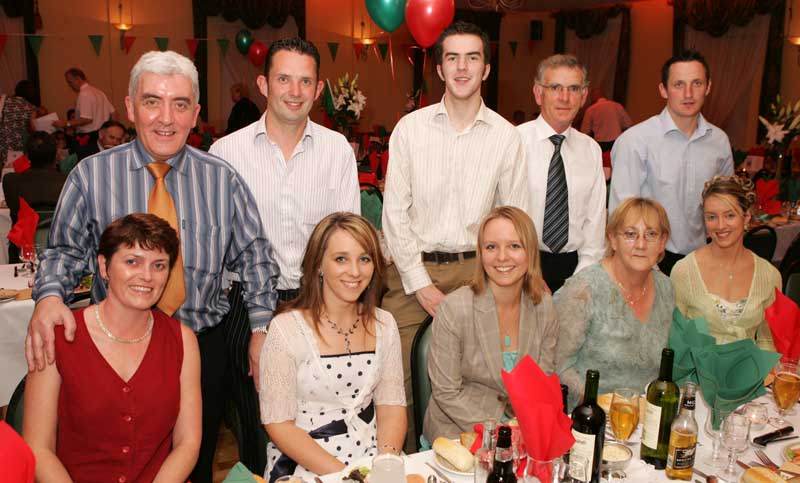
320, 276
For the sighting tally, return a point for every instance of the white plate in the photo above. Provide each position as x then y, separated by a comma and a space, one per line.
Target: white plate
445, 465
365, 461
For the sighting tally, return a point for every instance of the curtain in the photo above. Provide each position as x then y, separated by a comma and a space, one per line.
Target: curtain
736, 59
12, 62
598, 54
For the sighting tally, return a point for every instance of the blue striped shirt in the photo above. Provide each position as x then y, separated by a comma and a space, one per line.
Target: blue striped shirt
219, 228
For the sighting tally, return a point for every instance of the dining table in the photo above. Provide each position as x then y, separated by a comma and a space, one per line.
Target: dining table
14, 317
638, 471
786, 233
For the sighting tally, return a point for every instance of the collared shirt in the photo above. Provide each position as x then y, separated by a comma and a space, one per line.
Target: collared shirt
441, 183
606, 119
217, 230
92, 104
293, 195
586, 184
656, 160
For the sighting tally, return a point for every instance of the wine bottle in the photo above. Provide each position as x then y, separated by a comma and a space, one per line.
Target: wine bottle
503, 467
564, 397
683, 438
660, 409
588, 428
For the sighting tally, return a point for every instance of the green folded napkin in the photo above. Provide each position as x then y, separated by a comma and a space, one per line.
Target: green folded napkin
69, 162
732, 374
371, 208
239, 474
685, 334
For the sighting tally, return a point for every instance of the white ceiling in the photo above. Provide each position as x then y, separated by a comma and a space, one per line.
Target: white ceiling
543, 5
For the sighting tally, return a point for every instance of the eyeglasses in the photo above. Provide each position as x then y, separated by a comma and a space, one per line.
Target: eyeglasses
650, 236
573, 89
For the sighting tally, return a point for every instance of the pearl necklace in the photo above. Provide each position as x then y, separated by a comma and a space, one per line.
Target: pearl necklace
629, 298
121, 339
346, 333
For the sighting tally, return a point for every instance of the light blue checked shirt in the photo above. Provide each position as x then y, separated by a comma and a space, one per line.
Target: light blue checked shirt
219, 228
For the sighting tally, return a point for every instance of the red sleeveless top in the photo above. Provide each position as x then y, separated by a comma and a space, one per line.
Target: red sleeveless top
109, 429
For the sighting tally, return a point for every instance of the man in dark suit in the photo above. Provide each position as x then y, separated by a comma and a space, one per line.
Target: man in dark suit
111, 134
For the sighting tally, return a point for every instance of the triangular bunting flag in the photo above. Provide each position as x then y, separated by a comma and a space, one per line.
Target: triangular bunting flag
358, 48
35, 42
97, 43
494, 49
223, 46
128, 43
513, 45
333, 47
530, 47
383, 47
162, 43
192, 45
3, 39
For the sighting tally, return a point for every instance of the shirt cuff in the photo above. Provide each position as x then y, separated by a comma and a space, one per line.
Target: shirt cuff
48, 289
415, 278
259, 319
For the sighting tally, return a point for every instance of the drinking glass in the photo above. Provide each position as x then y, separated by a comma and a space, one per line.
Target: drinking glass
624, 413
290, 479
388, 468
577, 469
715, 459
785, 390
544, 471
28, 253
735, 432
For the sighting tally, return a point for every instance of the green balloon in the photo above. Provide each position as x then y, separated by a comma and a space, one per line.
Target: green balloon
244, 38
388, 14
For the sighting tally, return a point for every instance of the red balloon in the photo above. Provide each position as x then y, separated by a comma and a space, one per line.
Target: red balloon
257, 53
427, 18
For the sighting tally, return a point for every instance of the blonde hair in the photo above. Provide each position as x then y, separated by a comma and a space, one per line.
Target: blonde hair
741, 190
310, 294
533, 283
651, 211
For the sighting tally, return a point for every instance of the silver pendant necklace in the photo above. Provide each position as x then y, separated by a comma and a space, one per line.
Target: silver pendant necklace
122, 339
345, 333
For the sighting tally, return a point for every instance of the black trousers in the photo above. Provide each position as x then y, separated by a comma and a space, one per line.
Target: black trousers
213, 361
557, 267
670, 259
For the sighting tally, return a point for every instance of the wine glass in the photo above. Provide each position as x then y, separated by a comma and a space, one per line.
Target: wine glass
734, 433
389, 468
624, 413
28, 253
785, 390
715, 459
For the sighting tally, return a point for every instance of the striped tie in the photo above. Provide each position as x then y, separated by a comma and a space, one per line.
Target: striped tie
556, 206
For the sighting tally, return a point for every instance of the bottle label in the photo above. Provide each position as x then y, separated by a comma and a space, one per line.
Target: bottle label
688, 403
681, 458
652, 420
584, 447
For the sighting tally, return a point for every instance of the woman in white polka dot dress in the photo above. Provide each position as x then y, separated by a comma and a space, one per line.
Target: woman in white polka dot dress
332, 375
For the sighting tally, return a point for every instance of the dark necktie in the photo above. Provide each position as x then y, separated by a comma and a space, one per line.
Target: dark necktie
555, 231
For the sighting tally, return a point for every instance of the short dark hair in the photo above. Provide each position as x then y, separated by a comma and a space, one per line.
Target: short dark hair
148, 231
75, 72
27, 90
41, 149
292, 44
462, 28
112, 123
685, 56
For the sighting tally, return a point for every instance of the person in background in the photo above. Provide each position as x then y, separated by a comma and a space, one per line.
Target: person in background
505, 314
92, 107
331, 374
244, 111
724, 282
122, 401
16, 117
615, 315
110, 135
518, 117
604, 120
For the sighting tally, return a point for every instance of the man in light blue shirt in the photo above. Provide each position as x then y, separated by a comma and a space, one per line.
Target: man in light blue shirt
669, 157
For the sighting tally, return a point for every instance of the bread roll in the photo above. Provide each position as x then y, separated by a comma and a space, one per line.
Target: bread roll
758, 474
467, 439
454, 453
414, 478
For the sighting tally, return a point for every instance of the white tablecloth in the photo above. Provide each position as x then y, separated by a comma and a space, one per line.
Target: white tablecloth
786, 235
638, 471
14, 317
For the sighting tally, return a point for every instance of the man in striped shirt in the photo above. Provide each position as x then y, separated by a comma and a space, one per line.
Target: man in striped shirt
299, 172
450, 164
216, 228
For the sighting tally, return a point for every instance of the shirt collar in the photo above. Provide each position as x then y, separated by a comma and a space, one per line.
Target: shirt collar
668, 125
545, 130
480, 116
309, 132
141, 158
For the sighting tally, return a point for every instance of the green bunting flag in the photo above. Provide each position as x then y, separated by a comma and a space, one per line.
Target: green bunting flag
97, 43
162, 43
35, 43
513, 45
327, 99
383, 48
223, 46
333, 47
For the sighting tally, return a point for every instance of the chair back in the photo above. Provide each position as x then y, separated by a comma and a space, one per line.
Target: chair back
43, 228
15, 406
420, 381
791, 257
761, 240
792, 289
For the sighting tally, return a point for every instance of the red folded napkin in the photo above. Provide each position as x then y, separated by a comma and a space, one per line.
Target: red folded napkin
24, 230
537, 403
783, 317
22, 164
766, 192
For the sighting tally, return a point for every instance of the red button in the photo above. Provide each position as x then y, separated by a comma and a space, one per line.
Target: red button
126, 449
122, 479
127, 418
126, 389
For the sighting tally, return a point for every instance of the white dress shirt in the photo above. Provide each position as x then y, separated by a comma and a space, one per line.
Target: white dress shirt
92, 104
441, 183
293, 195
583, 167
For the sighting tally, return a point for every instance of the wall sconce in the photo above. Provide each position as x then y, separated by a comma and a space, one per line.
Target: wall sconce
795, 40
122, 25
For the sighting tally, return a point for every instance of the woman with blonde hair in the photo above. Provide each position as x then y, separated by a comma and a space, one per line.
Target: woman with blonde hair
615, 315
724, 282
332, 379
505, 314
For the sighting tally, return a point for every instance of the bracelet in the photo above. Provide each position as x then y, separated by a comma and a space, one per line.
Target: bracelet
260, 330
390, 447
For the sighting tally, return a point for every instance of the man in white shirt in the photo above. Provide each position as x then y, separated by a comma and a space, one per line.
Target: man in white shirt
451, 163
92, 107
299, 172
670, 156
568, 190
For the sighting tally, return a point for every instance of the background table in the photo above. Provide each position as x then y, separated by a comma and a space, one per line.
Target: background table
14, 317
786, 235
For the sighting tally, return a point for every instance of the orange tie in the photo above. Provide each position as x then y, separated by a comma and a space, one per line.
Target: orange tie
161, 205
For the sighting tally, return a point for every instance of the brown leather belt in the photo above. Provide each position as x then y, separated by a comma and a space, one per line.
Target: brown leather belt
444, 257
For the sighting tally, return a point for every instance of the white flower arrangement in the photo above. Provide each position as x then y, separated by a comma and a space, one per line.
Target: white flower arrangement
348, 100
783, 125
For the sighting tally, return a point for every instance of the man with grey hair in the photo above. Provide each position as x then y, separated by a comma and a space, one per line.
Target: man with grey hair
199, 194
568, 205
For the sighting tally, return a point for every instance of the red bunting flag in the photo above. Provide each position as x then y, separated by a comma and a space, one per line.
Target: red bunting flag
358, 48
192, 44
129, 40
3, 39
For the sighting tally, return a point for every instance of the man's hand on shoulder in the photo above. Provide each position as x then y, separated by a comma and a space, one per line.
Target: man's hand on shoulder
429, 298
40, 342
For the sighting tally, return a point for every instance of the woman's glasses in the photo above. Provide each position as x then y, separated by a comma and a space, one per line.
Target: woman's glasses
630, 235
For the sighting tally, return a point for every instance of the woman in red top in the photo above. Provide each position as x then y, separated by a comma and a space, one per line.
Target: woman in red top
122, 403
